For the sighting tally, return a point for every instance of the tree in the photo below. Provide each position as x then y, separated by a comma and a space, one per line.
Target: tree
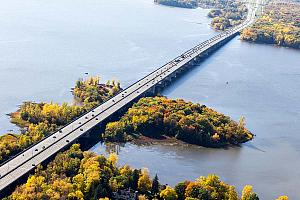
113, 158
180, 190
33, 189
78, 182
144, 183
211, 187
77, 195
194, 190
155, 185
142, 197
135, 179
192, 123
276, 26
168, 194
248, 194
283, 198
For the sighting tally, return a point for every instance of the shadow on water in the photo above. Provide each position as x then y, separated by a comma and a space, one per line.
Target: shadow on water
184, 76
251, 146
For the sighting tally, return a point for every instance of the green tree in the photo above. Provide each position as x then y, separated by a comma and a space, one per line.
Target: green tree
155, 185
180, 190
135, 179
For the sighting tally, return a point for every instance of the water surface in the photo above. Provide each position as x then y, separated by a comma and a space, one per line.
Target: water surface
46, 45
263, 85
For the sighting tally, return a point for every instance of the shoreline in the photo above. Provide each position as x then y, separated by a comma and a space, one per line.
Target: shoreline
144, 140
172, 141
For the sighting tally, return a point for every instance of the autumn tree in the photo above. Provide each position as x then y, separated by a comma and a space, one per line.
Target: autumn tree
144, 182
192, 123
248, 194
168, 194
283, 198
211, 187
180, 190
113, 158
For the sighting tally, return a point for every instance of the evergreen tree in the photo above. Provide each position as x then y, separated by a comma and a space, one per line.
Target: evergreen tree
135, 179
155, 185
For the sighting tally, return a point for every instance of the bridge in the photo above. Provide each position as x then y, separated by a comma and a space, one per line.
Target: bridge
26, 161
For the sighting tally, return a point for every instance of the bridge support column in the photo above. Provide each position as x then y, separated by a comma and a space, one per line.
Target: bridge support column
173, 75
158, 89
151, 91
86, 135
168, 79
191, 63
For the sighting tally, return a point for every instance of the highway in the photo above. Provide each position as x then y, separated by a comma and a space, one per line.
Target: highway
24, 162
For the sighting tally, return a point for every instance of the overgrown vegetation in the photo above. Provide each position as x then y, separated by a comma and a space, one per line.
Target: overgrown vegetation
178, 3
91, 93
225, 14
280, 25
192, 123
75, 174
40, 119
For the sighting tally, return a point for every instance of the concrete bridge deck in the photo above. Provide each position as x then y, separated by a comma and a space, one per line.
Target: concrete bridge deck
24, 162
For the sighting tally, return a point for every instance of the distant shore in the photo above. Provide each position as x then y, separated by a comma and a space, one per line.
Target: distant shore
182, 4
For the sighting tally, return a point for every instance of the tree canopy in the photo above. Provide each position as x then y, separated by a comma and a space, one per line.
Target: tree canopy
178, 3
279, 25
77, 175
192, 123
92, 93
41, 119
225, 14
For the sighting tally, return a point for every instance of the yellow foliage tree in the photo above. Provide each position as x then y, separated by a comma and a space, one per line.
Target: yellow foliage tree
283, 198
142, 197
168, 194
113, 158
144, 182
247, 190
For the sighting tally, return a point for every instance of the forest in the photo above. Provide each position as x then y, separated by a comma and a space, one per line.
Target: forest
76, 175
38, 120
178, 3
91, 92
279, 25
225, 14
186, 121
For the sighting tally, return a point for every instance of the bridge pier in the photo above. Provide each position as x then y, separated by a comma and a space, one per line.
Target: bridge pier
150, 92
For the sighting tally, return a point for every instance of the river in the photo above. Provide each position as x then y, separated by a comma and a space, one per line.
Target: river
46, 46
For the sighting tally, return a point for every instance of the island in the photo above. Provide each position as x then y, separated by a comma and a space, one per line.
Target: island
279, 25
178, 3
38, 120
160, 117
